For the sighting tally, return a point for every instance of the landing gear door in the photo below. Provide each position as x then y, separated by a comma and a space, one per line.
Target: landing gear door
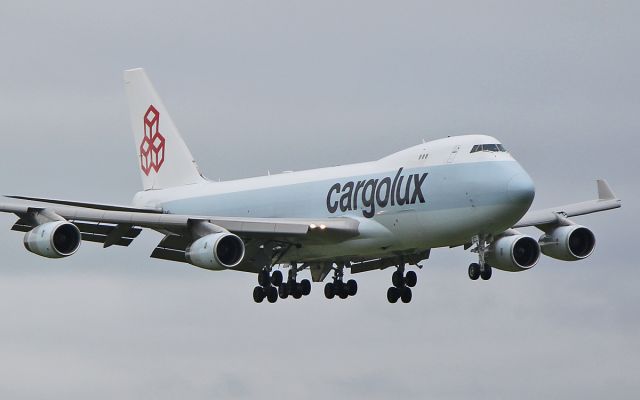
454, 153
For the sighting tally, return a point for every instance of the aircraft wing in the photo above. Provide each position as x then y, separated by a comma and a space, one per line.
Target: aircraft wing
116, 225
606, 201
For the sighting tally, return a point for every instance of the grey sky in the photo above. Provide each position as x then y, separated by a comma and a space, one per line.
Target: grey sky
257, 86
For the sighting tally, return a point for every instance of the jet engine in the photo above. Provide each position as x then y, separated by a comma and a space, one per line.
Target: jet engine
55, 239
513, 253
568, 243
216, 251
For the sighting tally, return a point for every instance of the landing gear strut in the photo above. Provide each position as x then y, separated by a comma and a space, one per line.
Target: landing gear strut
338, 287
402, 284
481, 269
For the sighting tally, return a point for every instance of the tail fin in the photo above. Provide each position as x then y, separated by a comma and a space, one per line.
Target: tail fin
164, 158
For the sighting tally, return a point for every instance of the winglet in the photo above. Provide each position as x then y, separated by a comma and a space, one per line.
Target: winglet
604, 190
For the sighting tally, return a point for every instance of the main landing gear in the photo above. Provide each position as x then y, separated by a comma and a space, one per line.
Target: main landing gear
338, 287
292, 287
481, 269
272, 285
265, 288
402, 284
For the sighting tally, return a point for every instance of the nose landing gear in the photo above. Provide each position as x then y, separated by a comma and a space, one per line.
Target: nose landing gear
481, 269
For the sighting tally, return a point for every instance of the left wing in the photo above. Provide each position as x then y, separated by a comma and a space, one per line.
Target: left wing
606, 201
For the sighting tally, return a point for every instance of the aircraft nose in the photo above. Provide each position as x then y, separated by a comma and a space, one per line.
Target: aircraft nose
521, 189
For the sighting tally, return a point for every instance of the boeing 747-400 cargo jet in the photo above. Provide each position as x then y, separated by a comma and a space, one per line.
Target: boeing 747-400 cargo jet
460, 191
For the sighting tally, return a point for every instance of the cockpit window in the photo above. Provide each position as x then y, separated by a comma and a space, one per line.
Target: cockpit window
488, 147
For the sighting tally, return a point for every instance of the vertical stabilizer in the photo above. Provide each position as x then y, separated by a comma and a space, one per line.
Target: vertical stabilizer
163, 158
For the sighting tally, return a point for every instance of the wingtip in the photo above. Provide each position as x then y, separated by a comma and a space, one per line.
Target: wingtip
604, 190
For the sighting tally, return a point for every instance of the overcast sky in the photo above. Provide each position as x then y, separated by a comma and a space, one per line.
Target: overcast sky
289, 85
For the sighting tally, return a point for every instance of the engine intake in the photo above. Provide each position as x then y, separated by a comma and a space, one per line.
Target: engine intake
55, 239
568, 243
216, 251
514, 253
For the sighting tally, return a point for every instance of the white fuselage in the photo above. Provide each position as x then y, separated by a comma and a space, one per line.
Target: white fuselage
435, 194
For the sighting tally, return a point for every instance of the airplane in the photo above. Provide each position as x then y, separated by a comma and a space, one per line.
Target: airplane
465, 191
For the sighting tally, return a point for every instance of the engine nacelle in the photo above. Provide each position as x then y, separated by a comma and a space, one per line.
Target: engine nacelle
513, 253
568, 243
216, 251
55, 239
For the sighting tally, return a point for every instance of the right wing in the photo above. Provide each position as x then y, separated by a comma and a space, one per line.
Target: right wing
115, 225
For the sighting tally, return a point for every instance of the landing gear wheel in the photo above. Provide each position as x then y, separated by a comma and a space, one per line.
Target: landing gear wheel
263, 278
393, 294
272, 294
329, 290
297, 292
305, 287
397, 279
283, 291
474, 271
411, 279
258, 294
485, 274
276, 278
351, 287
338, 287
406, 295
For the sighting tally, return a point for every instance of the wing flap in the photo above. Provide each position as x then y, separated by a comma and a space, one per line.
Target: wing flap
168, 254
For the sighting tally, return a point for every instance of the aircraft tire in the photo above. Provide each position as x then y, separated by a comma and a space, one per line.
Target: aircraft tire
263, 278
305, 286
329, 290
283, 291
406, 295
258, 294
411, 278
397, 279
474, 271
486, 272
272, 294
276, 278
393, 294
351, 287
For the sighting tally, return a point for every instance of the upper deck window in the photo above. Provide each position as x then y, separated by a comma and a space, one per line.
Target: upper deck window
488, 147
